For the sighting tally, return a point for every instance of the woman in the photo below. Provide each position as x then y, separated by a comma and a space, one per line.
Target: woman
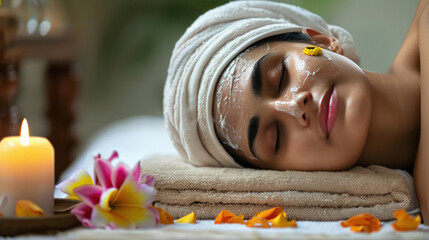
241, 93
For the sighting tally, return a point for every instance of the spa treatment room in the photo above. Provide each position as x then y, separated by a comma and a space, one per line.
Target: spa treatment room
214, 119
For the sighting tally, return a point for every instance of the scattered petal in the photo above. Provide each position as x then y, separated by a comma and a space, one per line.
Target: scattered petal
228, 217
26, 208
362, 223
270, 213
236, 219
257, 222
405, 222
164, 217
280, 221
190, 218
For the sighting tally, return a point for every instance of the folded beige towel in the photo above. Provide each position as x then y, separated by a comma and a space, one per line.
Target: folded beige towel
183, 188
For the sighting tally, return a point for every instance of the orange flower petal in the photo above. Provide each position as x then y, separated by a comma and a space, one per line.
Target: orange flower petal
236, 219
405, 222
257, 222
280, 221
190, 219
164, 217
270, 213
223, 216
228, 217
362, 223
25, 208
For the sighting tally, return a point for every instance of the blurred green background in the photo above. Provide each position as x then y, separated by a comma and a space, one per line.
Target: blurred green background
125, 46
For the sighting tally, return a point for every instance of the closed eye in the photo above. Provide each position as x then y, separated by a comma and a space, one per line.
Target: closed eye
281, 78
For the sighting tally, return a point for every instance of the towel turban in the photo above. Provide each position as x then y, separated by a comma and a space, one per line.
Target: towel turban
203, 52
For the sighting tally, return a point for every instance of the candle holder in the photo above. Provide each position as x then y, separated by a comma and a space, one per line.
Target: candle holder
61, 220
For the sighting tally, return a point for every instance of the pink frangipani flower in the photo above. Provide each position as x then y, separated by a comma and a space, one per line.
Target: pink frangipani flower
120, 197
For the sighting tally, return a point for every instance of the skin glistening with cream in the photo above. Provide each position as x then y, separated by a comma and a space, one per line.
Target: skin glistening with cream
285, 110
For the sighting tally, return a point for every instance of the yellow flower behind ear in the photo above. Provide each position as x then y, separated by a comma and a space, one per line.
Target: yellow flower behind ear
25, 208
190, 219
313, 51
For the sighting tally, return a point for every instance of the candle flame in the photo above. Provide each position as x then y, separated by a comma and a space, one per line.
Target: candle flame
25, 136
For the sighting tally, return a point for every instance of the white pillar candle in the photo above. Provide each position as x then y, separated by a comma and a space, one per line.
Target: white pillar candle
27, 171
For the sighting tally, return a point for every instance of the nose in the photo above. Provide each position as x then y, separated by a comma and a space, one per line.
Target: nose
303, 100
298, 106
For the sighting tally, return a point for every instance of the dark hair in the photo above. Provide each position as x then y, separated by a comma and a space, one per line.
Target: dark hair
285, 37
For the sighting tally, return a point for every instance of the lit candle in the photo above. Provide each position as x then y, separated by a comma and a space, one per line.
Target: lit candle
27, 171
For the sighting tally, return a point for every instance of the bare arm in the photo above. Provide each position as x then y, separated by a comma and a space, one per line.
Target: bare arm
421, 167
408, 56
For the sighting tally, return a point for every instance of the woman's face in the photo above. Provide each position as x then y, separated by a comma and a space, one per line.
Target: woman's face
281, 109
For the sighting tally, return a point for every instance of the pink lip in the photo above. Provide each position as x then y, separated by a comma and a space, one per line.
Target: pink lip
328, 111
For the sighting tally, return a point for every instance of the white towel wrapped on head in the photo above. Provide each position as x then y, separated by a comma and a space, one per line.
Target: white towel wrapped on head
204, 51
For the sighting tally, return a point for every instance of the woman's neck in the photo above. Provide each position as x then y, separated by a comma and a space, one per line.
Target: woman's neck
393, 135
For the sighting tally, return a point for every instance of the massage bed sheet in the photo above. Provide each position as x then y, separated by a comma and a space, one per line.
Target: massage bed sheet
206, 229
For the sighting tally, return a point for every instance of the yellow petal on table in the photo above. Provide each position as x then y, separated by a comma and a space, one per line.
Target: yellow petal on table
190, 218
26, 208
405, 222
280, 221
270, 213
164, 217
257, 222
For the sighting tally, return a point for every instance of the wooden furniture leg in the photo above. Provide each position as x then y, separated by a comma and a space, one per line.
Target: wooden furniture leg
10, 120
61, 86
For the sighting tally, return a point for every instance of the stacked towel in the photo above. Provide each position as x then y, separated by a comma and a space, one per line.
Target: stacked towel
326, 196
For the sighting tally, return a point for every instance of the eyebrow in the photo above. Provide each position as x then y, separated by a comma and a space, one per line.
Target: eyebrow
256, 76
252, 131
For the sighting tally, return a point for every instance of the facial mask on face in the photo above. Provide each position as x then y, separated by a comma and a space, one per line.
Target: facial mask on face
231, 136
289, 103
230, 84
289, 107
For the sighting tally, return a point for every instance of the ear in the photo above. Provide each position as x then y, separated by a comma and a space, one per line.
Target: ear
324, 41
